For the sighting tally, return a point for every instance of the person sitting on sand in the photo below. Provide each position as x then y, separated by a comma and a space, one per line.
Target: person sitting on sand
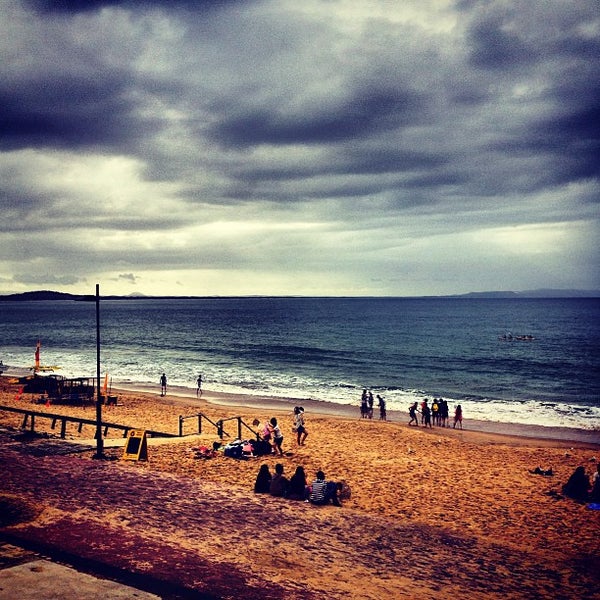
263, 480
578, 486
299, 425
279, 483
323, 491
595, 493
277, 436
297, 489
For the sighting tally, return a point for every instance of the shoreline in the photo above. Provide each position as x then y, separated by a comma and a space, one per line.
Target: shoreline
325, 408
284, 405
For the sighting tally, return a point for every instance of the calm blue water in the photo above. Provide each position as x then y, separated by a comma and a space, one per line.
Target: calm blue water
330, 348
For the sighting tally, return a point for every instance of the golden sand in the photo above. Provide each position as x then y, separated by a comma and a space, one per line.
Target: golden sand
414, 491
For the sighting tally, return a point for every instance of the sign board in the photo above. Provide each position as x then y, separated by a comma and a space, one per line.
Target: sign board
136, 447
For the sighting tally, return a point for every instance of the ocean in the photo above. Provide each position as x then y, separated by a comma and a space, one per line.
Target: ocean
474, 351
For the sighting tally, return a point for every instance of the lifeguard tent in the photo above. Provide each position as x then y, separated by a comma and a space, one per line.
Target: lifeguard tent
60, 390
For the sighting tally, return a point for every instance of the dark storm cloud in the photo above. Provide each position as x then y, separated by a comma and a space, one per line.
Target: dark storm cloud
69, 112
79, 6
364, 114
492, 47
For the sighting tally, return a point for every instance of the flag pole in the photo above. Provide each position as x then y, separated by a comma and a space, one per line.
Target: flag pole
99, 440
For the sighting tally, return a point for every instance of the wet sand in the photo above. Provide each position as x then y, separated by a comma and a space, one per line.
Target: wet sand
433, 513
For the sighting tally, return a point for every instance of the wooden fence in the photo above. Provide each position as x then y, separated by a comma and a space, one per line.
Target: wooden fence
219, 425
29, 416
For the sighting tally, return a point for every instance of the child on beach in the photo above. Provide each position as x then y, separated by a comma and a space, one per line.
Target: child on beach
299, 427
277, 436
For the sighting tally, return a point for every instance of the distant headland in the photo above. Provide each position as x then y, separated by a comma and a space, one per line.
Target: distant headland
48, 295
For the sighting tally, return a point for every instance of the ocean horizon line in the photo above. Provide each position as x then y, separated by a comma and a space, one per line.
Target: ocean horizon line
542, 293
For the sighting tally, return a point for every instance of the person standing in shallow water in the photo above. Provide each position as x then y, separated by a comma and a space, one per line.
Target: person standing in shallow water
163, 385
199, 384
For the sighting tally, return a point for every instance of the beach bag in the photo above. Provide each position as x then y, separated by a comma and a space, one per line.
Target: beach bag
233, 450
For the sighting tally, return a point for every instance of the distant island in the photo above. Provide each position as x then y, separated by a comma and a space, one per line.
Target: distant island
47, 295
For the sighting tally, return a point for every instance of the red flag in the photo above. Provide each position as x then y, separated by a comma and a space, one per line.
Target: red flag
20, 393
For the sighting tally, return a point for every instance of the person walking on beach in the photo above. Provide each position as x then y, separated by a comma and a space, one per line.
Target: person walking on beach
412, 411
382, 410
277, 436
370, 403
423, 404
458, 417
199, 384
163, 385
299, 427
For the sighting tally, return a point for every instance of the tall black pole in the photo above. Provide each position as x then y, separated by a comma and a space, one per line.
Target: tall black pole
99, 440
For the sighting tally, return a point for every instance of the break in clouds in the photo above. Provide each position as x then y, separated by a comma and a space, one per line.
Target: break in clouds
324, 147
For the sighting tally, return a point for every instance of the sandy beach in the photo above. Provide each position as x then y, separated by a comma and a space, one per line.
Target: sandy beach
433, 512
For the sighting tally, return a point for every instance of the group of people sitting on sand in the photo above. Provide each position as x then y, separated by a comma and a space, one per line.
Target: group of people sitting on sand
436, 414
579, 487
320, 491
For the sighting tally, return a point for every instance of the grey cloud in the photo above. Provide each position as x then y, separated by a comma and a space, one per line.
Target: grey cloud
70, 112
364, 114
493, 47
79, 6
48, 279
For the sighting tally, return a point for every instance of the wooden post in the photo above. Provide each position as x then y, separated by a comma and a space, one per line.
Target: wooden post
99, 440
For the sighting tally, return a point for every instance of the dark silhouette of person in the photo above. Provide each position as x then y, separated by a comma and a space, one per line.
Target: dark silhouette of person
578, 486
382, 409
279, 482
163, 385
297, 489
263, 480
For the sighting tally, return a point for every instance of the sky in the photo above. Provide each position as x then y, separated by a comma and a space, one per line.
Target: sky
277, 147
